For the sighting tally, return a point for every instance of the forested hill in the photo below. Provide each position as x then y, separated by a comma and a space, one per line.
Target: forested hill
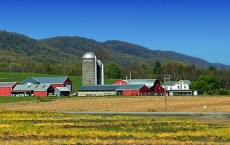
21, 53
122, 52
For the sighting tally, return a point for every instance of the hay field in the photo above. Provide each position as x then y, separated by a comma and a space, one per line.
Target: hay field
126, 104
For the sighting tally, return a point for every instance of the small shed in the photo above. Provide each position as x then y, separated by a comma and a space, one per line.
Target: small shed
133, 90
6, 88
97, 90
61, 91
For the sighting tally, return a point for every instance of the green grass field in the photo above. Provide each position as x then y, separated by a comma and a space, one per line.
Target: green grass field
57, 128
18, 77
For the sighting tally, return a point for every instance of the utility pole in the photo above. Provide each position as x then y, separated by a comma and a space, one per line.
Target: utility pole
166, 79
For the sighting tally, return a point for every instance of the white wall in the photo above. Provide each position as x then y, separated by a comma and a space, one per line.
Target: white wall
180, 85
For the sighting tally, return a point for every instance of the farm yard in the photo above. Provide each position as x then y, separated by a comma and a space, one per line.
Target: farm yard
123, 104
48, 120
19, 127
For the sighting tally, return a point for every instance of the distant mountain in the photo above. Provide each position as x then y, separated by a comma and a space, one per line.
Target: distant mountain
33, 49
68, 50
123, 53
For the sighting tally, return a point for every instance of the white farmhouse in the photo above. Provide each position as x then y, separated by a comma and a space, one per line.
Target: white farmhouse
178, 88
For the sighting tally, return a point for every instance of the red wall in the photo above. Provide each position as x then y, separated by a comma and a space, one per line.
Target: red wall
5, 91
120, 82
68, 82
144, 91
40, 93
158, 89
56, 85
130, 92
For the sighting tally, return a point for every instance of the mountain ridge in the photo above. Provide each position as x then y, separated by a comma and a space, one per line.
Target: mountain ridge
68, 49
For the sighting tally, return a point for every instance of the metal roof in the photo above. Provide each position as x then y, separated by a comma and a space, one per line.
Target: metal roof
99, 88
147, 82
130, 87
89, 55
62, 89
172, 83
45, 80
39, 87
99, 62
7, 84
110, 87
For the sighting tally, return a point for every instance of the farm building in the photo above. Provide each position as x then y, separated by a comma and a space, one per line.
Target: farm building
98, 90
109, 90
61, 91
54, 81
6, 88
39, 90
154, 85
132, 90
178, 88
148, 82
92, 70
157, 89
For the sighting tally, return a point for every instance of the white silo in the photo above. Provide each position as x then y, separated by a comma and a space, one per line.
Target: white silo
100, 73
89, 69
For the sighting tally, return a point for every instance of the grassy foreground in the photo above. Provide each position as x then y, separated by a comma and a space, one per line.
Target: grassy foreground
55, 128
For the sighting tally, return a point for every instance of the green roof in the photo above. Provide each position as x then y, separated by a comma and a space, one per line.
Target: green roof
110, 87
147, 82
40, 87
62, 89
45, 80
130, 87
172, 83
7, 84
99, 88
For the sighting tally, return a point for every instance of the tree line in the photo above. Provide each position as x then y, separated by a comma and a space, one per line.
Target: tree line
205, 80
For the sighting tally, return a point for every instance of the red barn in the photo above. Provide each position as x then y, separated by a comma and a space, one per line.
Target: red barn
132, 90
157, 89
54, 81
120, 82
40, 90
6, 88
154, 85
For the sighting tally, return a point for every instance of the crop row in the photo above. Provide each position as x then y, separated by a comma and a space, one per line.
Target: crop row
56, 128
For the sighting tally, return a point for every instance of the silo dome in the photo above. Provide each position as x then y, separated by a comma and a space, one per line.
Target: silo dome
89, 55
99, 62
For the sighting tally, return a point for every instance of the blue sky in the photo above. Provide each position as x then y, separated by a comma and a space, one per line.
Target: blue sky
199, 28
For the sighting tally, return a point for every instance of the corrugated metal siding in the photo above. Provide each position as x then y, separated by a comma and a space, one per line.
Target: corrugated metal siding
57, 92
40, 93
56, 85
5, 91
99, 88
7, 84
92, 93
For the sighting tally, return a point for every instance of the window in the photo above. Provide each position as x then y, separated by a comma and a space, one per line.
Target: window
185, 86
178, 87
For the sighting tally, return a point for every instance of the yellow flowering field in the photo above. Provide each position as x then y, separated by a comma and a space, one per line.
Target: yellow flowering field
58, 128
